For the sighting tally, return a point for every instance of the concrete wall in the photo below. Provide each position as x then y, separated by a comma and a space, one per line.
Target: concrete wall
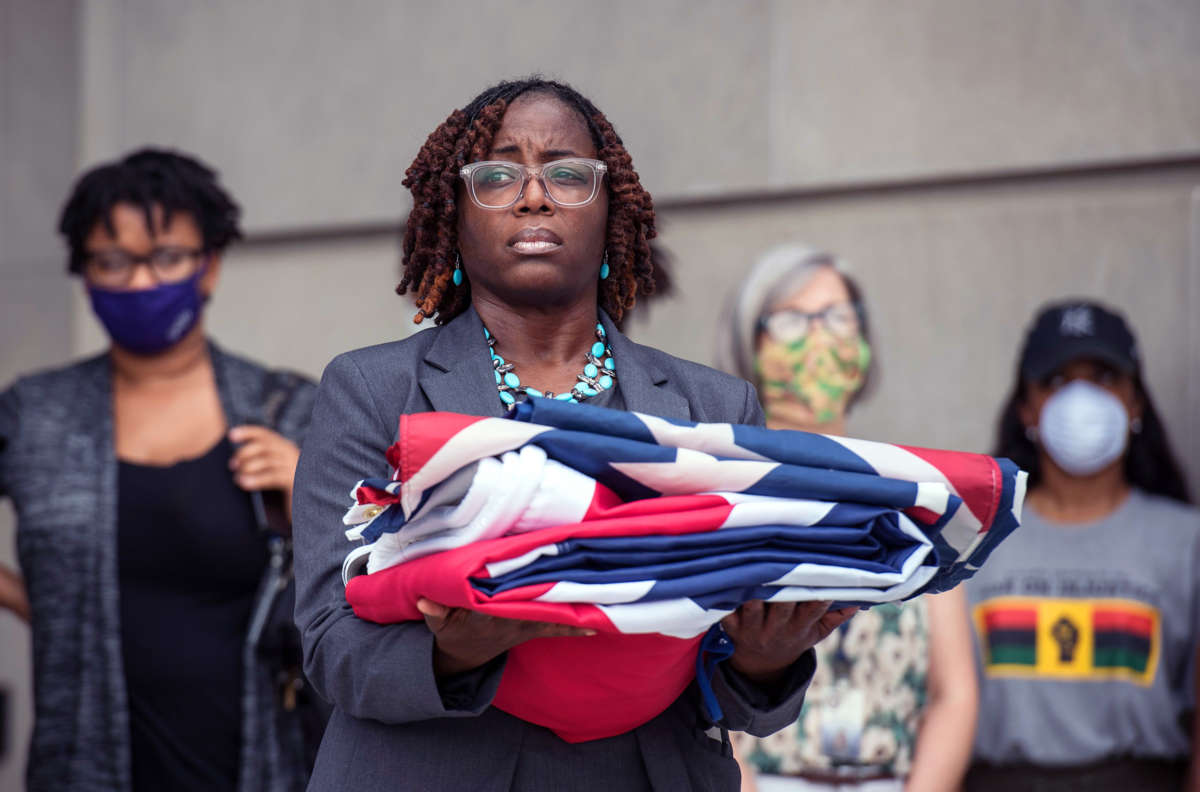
970, 158
314, 110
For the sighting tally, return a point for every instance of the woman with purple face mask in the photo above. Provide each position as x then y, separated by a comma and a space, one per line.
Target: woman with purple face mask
152, 486
1087, 622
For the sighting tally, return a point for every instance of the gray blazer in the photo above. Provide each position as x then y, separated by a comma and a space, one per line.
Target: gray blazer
393, 727
58, 465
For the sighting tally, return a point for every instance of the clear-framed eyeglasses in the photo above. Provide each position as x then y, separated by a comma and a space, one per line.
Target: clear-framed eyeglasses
113, 269
788, 326
497, 184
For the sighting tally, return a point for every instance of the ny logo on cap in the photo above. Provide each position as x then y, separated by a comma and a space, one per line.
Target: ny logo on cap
1077, 321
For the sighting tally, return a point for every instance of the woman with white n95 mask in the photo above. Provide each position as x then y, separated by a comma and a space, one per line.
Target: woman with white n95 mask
1087, 621
1083, 427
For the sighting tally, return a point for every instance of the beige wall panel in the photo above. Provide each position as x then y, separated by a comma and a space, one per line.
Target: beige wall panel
864, 90
313, 110
952, 276
38, 112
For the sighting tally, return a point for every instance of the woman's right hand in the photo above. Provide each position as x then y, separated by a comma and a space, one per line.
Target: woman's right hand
466, 639
12, 593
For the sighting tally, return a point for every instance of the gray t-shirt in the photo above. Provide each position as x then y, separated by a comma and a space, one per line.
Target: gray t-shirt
1086, 636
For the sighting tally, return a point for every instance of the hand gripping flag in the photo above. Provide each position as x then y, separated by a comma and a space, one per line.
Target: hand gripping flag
650, 531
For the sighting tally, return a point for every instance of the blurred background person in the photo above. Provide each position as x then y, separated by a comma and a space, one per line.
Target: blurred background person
1088, 617
153, 564
894, 698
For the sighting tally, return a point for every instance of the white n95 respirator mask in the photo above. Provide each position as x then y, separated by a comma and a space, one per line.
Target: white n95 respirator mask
1083, 428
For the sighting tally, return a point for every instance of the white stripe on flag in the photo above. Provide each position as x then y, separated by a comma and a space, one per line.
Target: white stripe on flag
897, 592
765, 510
711, 438
1018, 505
934, 496
677, 618
695, 471
484, 438
498, 568
598, 593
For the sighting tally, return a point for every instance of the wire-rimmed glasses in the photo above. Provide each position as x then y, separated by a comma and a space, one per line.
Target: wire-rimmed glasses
498, 184
113, 268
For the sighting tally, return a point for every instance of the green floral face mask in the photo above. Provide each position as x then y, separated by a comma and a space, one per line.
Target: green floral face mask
819, 372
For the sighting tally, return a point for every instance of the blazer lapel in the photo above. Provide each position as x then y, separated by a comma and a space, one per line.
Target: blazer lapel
641, 379
456, 374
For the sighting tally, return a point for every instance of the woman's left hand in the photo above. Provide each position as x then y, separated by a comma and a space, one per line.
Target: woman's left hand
264, 460
769, 636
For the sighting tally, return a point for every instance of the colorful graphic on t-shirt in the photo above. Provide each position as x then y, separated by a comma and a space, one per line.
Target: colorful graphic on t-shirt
1069, 638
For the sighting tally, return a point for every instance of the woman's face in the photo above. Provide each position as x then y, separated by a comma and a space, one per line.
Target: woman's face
811, 356
497, 256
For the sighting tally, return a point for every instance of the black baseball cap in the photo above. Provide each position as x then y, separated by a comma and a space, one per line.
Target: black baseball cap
1077, 330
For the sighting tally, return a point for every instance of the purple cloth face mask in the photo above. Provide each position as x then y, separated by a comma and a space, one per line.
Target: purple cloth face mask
147, 321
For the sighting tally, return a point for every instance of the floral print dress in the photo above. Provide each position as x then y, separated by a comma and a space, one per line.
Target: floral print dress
863, 708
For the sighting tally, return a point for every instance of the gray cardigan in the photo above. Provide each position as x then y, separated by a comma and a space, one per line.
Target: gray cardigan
393, 726
58, 465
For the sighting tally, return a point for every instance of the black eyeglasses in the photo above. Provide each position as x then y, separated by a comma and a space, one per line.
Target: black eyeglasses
498, 184
113, 268
788, 326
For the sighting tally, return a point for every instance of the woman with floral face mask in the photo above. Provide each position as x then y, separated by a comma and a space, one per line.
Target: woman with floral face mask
1088, 620
892, 704
152, 486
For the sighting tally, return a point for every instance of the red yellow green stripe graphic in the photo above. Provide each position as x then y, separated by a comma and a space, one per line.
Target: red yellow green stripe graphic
1069, 638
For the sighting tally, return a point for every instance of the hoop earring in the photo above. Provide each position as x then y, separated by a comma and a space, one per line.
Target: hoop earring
604, 265
457, 277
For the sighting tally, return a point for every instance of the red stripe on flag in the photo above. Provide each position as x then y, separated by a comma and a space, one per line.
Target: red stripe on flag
1010, 619
602, 685
372, 495
603, 499
923, 515
1133, 623
975, 477
413, 450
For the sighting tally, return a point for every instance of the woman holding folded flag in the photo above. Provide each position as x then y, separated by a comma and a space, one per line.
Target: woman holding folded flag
1088, 621
527, 245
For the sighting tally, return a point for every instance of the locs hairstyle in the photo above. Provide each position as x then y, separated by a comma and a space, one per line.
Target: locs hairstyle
431, 235
147, 178
1149, 463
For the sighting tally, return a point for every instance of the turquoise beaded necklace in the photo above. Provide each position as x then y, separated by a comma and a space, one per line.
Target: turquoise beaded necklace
599, 374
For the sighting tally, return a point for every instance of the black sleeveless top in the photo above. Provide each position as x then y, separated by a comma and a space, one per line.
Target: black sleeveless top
190, 561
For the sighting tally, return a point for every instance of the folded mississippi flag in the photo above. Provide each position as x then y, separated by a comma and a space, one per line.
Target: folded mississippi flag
650, 531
